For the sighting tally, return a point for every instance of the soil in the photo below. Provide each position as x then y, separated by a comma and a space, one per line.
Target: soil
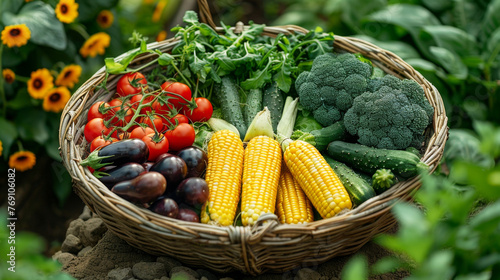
111, 253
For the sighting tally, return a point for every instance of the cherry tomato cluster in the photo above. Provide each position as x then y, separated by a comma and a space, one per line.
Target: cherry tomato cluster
162, 117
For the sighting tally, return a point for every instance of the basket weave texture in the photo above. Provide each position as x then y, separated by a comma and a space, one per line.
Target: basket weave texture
267, 246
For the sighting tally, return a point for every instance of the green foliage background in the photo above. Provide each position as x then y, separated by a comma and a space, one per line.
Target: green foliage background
449, 232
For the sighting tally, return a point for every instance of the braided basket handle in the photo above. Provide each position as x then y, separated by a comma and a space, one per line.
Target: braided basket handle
205, 14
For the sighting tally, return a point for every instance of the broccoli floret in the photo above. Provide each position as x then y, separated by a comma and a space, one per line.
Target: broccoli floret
355, 84
387, 118
326, 115
331, 85
310, 96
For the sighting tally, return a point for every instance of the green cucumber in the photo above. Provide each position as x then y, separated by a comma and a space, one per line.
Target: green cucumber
229, 98
274, 101
368, 159
358, 188
253, 105
383, 179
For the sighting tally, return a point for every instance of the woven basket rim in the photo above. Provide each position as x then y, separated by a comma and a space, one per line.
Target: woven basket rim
94, 193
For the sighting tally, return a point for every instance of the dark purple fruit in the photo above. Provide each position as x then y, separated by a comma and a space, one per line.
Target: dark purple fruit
172, 167
128, 171
188, 215
162, 156
118, 153
196, 160
193, 191
166, 207
147, 165
144, 188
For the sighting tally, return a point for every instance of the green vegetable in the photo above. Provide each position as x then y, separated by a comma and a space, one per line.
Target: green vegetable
253, 105
273, 99
329, 89
261, 125
368, 159
306, 123
229, 98
203, 135
217, 124
287, 120
393, 116
358, 188
322, 137
383, 179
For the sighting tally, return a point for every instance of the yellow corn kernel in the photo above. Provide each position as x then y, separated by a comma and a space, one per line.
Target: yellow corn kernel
223, 176
317, 179
292, 205
261, 171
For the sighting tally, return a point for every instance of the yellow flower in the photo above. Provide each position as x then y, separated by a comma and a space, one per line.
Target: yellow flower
22, 160
8, 75
39, 83
105, 18
158, 10
162, 35
67, 11
16, 35
56, 99
69, 76
1, 148
96, 44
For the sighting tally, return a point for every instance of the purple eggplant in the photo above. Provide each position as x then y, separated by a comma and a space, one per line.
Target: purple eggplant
142, 189
188, 215
128, 171
118, 153
193, 191
196, 161
173, 168
166, 207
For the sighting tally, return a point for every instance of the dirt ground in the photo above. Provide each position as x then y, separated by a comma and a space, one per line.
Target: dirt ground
111, 253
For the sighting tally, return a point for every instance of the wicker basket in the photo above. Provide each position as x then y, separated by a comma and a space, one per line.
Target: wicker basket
265, 247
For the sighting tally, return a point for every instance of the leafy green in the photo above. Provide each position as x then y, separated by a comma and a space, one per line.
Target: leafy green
40, 18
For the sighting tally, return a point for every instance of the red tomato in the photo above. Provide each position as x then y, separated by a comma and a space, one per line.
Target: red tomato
94, 128
130, 83
180, 119
122, 116
140, 132
157, 145
179, 89
98, 110
134, 101
180, 137
153, 121
203, 111
99, 141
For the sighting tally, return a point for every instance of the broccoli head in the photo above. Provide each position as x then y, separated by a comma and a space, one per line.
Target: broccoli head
388, 118
331, 85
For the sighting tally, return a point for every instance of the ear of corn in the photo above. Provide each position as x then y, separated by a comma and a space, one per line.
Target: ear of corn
261, 171
223, 176
292, 204
316, 178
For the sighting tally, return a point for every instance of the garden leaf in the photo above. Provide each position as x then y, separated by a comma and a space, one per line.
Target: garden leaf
450, 38
409, 17
491, 20
8, 135
32, 126
450, 61
490, 54
402, 49
40, 18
